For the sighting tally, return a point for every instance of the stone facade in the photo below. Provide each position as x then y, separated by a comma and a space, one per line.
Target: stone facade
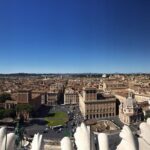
129, 111
52, 98
24, 96
27, 97
114, 86
94, 105
71, 97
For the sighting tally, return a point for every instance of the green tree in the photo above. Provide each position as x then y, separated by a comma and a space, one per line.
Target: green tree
24, 107
2, 111
7, 113
4, 97
10, 113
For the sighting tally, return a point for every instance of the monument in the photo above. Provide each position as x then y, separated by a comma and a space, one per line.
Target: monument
84, 139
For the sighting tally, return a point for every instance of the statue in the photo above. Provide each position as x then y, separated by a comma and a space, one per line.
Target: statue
36, 142
103, 141
19, 134
144, 137
7, 141
66, 144
84, 139
127, 141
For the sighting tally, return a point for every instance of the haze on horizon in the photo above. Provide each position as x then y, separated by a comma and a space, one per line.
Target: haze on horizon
74, 36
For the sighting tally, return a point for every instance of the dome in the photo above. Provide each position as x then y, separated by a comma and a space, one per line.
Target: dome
104, 76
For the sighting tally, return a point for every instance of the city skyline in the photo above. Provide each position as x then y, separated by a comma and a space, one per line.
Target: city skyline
74, 36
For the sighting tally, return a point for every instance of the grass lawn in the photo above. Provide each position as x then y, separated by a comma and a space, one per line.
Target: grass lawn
59, 118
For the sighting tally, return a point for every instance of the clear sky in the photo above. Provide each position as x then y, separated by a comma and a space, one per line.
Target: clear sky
54, 36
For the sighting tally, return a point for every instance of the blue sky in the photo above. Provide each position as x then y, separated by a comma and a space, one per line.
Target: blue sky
54, 36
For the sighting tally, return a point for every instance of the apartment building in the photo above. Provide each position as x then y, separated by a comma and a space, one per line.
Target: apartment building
52, 98
95, 105
71, 97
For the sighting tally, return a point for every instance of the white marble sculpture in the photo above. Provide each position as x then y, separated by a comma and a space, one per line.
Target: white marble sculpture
127, 141
8, 142
144, 139
36, 142
103, 141
66, 144
82, 135
84, 139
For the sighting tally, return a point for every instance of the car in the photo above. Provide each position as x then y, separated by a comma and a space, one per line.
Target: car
57, 127
73, 130
45, 130
68, 112
60, 129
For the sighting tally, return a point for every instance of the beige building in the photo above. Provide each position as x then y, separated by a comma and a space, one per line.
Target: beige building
114, 86
71, 96
52, 98
142, 97
9, 104
95, 105
129, 111
29, 97
24, 96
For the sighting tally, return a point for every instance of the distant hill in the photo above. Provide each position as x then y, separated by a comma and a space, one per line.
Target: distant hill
66, 74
